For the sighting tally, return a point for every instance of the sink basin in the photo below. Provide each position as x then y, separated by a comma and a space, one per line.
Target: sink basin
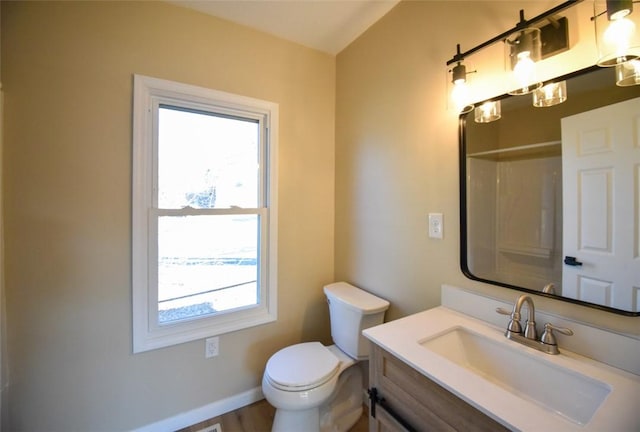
575, 396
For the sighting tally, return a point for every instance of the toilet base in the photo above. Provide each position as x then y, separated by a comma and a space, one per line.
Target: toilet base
345, 406
296, 421
341, 411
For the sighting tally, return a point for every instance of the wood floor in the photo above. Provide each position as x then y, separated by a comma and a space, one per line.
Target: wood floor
257, 417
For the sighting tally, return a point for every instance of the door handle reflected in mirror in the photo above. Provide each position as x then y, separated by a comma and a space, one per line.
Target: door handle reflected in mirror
572, 261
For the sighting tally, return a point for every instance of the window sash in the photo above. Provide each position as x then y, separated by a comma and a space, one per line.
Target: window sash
211, 109
262, 254
149, 95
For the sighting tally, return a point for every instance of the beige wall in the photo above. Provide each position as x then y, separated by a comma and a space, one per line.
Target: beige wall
397, 154
66, 71
67, 74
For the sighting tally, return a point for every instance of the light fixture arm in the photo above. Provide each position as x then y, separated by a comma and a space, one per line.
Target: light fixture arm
459, 71
456, 58
521, 25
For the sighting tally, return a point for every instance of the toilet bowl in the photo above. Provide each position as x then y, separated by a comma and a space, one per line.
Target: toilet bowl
301, 378
319, 388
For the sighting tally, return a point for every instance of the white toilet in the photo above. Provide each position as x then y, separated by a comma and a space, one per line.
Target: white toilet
318, 388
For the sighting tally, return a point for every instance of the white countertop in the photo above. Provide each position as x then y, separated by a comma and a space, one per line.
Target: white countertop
620, 411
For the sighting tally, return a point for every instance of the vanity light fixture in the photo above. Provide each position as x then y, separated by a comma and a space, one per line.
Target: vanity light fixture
617, 38
488, 112
523, 51
460, 93
526, 45
551, 94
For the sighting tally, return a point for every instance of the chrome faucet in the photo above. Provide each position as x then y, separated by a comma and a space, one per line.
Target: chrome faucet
529, 337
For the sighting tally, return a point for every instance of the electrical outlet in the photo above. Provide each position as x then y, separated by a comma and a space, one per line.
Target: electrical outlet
213, 428
211, 346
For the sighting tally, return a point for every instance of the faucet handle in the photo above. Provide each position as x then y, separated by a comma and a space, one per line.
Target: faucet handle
502, 311
549, 338
514, 323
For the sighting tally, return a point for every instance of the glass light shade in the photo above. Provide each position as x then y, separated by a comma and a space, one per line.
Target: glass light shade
617, 35
523, 51
550, 95
628, 73
458, 88
488, 112
460, 97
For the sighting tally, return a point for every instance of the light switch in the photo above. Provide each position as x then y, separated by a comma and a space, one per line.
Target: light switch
436, 225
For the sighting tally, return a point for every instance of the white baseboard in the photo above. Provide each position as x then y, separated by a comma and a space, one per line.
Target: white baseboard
206, 412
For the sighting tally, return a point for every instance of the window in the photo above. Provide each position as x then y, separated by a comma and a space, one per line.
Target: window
204, 213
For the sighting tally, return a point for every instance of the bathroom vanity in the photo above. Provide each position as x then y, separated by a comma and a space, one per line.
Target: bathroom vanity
443, 369
406, 400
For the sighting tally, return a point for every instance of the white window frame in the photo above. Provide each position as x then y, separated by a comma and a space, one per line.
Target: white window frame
149, 94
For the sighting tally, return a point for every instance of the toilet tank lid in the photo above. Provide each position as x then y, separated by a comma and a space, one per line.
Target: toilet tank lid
355, 297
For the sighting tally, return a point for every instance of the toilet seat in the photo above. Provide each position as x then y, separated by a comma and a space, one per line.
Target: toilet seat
302, 367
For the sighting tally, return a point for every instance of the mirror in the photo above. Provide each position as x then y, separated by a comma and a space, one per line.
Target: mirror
549, 202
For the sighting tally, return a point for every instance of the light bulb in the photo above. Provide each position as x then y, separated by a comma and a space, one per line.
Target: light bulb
547, 91
618, 36
460, 96
525, 69
523, 50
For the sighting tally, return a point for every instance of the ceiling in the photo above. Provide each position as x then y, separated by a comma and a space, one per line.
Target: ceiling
326, 25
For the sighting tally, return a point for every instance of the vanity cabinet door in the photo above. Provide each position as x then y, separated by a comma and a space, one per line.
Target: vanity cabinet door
418, 401
384, 422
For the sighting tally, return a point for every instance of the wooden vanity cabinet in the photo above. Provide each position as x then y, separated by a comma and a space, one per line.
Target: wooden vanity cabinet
411, 401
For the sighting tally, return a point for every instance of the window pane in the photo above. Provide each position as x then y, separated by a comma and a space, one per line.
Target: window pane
206, 264
206, 160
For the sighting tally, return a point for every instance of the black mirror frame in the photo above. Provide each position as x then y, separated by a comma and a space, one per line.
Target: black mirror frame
462, 120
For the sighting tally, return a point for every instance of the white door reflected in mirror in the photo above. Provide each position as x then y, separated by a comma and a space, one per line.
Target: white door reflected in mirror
601, 160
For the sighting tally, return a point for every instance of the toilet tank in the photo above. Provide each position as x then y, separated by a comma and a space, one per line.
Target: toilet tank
352, 310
